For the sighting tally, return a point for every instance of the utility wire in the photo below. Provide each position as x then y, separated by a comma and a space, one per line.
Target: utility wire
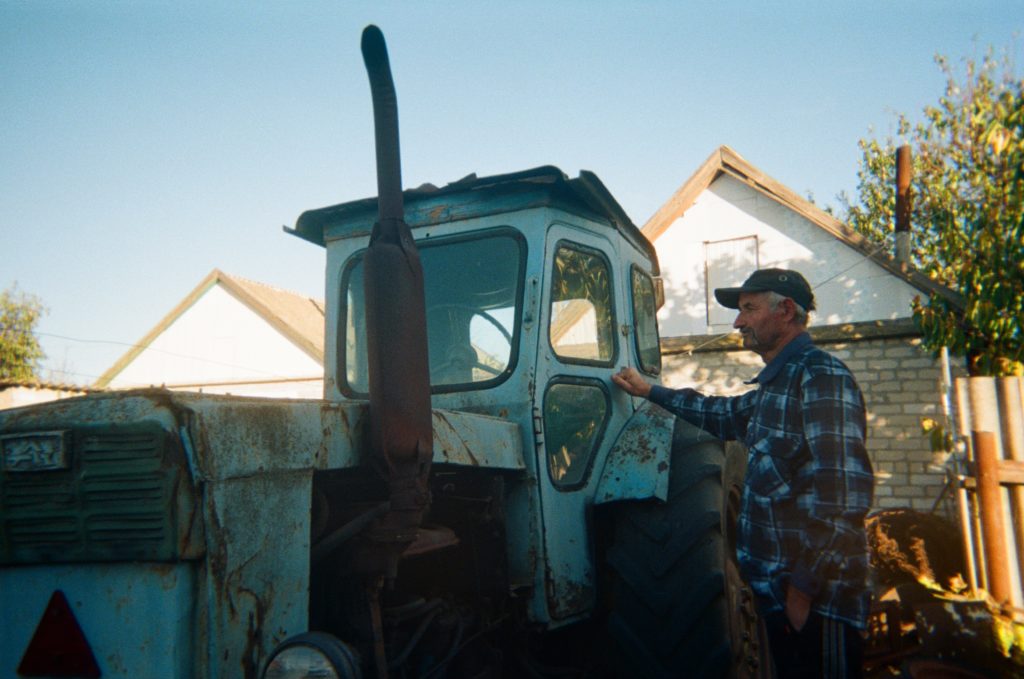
161, 351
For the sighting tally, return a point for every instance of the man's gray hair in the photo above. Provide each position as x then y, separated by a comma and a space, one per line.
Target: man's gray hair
802, 315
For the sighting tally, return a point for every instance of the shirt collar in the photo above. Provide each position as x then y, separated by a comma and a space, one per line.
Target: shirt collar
771, 371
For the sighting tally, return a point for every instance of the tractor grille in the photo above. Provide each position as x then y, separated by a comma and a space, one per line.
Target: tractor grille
111, 499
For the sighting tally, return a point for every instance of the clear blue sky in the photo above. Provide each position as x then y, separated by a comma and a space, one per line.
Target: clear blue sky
143, 144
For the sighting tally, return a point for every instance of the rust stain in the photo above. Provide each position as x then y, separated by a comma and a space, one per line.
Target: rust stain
566, 597
251, 656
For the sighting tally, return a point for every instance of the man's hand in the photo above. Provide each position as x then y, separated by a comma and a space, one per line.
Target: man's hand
630, 381
798, 607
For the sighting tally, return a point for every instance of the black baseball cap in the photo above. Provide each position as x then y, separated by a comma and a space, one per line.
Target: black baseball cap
786, 282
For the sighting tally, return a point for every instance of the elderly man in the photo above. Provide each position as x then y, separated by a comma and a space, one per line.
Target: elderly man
801, 541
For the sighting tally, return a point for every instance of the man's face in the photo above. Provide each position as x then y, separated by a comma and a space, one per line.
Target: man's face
761, 326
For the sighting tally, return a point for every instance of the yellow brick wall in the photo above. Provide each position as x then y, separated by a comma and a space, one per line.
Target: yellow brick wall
901, 384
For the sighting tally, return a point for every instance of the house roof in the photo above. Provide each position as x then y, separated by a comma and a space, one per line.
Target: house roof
725, 161
299, 318
37, 385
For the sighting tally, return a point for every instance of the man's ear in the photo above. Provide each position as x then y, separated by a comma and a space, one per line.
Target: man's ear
788, 307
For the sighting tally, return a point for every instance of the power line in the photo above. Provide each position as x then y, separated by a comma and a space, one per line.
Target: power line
160, 351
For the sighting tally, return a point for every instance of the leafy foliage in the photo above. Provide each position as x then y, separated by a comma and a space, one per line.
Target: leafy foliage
967, 194
20, 352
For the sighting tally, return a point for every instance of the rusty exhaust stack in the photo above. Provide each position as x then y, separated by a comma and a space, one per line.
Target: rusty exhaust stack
396, 331
904, 173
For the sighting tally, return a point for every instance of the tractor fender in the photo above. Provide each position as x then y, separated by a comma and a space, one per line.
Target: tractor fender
637, 466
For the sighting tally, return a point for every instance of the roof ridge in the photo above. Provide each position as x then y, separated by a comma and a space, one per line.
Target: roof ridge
43, 384
242, 279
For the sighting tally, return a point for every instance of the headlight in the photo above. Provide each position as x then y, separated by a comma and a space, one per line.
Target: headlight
313, 655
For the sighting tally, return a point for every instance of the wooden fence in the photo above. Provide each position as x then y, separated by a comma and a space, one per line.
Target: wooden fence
990, 488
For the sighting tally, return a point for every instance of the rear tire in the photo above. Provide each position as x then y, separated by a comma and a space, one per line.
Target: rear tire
679, 607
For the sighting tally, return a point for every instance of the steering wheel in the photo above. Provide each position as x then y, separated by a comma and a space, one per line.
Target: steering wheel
461, 358
473, 311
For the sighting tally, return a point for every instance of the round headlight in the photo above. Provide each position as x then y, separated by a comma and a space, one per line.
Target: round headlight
313, 655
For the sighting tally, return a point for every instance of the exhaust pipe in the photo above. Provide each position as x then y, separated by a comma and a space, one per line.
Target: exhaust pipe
401, 434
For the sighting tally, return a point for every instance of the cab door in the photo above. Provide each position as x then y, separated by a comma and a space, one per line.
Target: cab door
576, 409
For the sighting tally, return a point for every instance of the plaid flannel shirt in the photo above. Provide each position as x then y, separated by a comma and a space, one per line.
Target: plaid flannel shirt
809, 481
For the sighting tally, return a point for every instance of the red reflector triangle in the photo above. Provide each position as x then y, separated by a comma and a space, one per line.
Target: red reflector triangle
58, 648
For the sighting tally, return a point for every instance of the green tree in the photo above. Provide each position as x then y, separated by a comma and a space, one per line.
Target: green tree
20, 352
967, 194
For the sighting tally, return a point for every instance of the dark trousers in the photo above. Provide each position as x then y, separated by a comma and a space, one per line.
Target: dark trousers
823, 649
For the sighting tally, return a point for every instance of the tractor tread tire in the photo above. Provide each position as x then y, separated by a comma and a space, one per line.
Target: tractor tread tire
669, 616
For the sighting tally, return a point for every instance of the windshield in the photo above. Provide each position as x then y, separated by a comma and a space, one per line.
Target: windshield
472, 287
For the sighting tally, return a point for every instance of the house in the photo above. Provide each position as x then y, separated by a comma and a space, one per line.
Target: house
17, 393
230, 336
730, 218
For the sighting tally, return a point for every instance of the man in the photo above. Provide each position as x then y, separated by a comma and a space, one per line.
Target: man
801, 542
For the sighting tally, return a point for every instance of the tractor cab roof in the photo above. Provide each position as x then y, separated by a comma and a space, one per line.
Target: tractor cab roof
473, 196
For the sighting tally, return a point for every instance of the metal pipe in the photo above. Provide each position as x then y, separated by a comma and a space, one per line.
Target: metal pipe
385, 125
952, 421
380, 658
990, 499
401, 434
327, 545
967, 533
904, 173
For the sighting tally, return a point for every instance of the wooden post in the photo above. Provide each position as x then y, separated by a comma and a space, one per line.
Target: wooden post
1011, 417
990, 500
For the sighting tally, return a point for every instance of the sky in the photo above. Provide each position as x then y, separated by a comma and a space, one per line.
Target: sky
143, 144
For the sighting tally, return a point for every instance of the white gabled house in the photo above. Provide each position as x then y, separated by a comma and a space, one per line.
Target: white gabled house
18, 393
730, 218
230, 336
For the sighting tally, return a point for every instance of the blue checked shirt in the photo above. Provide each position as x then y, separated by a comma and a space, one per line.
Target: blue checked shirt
809, 481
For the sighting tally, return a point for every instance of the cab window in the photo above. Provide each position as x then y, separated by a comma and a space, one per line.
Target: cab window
645, 322
472, 287
582, 321
575, 416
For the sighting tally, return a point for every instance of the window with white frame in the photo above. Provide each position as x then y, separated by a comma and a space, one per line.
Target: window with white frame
727, 263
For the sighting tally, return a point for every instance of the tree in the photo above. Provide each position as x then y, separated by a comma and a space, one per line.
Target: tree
20, 352
968, 212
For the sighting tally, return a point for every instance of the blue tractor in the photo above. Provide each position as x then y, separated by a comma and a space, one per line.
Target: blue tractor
471, 497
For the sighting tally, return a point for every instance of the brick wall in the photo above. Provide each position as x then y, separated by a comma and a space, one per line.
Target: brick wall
901, 382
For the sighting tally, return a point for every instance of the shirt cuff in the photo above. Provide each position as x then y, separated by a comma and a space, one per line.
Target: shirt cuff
659, 394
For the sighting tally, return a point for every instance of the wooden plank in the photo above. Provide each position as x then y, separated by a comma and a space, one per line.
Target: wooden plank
1010, 472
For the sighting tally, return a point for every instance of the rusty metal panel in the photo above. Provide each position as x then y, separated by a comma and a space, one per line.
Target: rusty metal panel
251, 435
149, 405
253, 462
570, 587
257, 579
637, 467
136, 617
257, 457
474, 440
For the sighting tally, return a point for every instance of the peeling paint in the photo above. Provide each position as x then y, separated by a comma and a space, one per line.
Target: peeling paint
637, 466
